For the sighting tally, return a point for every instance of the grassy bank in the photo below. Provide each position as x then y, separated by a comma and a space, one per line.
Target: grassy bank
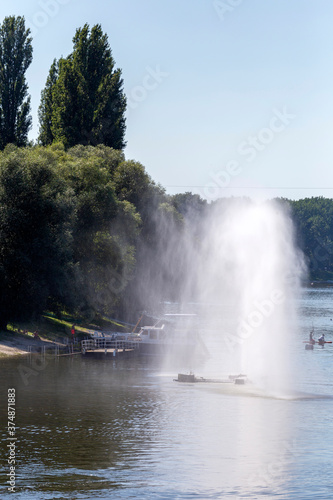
51, 328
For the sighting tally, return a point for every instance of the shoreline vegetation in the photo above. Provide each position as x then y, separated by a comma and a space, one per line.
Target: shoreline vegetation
19, 340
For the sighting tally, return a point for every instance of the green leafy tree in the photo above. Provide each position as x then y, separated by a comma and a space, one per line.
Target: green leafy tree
109, 158
83, 101
189, 205
132, 183
15, 58
105, 231
66, 240
36, 213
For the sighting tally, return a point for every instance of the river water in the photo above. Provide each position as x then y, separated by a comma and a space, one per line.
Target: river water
100, 429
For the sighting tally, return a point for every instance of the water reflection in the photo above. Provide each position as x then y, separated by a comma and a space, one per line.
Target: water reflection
79, 414
104, 429
132, 427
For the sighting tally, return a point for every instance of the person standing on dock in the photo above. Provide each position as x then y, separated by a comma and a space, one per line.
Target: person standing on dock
73, 331
312, 340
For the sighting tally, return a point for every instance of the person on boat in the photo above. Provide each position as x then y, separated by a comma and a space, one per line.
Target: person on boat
321, 339
312, 340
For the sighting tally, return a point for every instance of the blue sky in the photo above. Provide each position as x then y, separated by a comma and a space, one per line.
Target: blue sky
225, 97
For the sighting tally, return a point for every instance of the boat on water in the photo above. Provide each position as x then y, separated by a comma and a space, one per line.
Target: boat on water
311, 342
172, 335
309, 345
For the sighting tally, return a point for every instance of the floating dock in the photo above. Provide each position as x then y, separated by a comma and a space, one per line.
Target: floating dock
107, 347
192, 379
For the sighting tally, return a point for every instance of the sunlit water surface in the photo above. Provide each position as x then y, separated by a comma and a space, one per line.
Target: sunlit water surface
100, 429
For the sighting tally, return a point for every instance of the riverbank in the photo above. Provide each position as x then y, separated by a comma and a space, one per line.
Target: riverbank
19, 338
14, 344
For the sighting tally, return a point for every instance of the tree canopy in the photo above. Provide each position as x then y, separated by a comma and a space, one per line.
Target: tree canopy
83, 101
35, 241
66, 239
15, 58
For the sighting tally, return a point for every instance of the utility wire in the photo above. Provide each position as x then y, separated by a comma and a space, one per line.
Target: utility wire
249, 187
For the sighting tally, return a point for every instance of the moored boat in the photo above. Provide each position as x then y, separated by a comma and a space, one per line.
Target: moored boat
172, 335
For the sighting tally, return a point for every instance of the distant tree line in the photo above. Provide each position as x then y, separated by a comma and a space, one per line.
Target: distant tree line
313, 219
82, 229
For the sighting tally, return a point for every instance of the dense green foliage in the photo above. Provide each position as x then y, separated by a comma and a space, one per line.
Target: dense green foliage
313, 218
83, 101
70, 232
87, 231
15, 58
35, 215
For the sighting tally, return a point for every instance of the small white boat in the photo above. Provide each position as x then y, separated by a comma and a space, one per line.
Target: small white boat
175, 335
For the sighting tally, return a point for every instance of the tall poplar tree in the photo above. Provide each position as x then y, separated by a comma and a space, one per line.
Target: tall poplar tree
15, 58
83, 101
46, 106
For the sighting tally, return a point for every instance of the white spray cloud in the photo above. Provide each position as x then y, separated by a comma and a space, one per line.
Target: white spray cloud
251, 270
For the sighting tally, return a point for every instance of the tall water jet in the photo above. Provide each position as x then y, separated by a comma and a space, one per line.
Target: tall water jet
252, 269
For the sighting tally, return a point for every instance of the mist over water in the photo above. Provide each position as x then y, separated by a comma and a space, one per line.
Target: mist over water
250, 269
236, 264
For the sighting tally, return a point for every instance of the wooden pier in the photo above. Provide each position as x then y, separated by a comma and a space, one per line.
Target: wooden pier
106, 346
